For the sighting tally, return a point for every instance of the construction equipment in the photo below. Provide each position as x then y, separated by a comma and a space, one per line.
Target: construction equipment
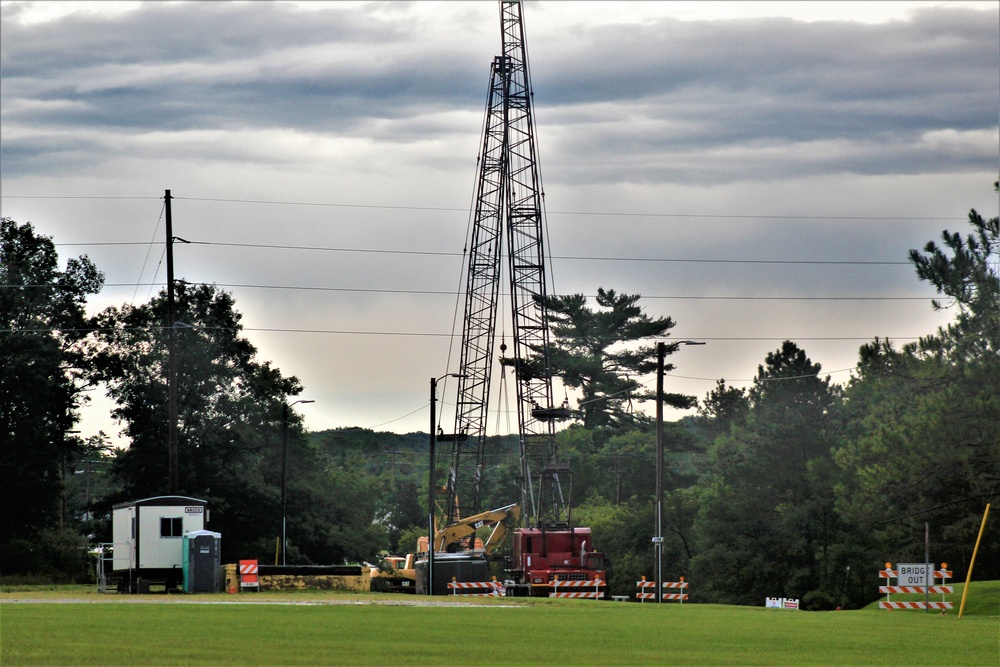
502, 519
396, 575
509, 213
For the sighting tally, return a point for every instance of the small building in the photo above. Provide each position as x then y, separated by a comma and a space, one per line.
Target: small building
148, 539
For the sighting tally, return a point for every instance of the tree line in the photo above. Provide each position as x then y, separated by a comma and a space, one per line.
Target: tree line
794, 487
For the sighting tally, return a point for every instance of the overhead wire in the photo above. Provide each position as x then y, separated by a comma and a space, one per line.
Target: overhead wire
432, 334
633, 214
156, 228
458, 293
588, 258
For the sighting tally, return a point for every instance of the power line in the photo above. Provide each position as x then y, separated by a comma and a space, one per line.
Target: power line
79, 197
358, 332
362, 290
448, 209
429, 253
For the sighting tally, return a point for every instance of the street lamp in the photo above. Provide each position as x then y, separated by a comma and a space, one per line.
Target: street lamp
430, 485
661, 351
284, 471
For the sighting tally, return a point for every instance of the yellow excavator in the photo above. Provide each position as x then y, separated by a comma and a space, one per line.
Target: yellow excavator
503, 520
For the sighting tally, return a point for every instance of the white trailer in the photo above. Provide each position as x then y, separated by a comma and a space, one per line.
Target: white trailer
148, 540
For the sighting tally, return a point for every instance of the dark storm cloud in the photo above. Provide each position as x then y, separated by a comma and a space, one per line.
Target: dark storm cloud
690, 88
663, 88
196, 32
208, 65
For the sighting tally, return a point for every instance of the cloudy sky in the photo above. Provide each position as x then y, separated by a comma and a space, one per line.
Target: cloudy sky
756, 171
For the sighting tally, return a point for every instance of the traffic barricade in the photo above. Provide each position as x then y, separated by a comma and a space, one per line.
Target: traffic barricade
579, 588
248, 574
477, 588
646, 594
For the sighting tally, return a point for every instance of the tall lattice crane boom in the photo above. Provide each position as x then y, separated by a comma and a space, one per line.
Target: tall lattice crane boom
481, 297
508, 203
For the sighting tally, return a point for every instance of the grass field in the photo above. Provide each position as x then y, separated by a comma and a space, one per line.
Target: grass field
314, 628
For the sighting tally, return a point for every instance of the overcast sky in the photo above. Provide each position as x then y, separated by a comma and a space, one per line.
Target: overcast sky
756, 171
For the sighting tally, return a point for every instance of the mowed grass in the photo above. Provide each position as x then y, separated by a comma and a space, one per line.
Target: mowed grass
557, 632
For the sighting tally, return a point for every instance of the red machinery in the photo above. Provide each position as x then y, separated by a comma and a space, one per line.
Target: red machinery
558, 563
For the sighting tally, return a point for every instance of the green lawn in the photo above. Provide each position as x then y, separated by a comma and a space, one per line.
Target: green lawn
119, 630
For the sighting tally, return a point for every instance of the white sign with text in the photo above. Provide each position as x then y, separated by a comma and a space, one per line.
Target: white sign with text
915, 574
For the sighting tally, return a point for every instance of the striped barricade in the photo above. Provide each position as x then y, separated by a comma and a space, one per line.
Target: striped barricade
482, 589
596, 584
915, 589
914, 605
248, 574
889, 574
642, 595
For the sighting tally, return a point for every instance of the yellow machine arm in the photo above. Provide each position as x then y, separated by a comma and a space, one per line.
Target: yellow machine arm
503, 519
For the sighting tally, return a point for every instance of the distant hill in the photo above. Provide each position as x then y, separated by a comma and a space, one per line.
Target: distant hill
400, 454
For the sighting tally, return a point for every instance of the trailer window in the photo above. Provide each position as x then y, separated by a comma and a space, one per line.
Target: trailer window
171, 526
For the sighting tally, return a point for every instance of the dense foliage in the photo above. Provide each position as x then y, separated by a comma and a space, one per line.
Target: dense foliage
794, 486
42, 380
232, 411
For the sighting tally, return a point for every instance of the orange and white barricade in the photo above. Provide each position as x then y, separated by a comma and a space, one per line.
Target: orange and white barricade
646, 594
889, 574
578, 588
492, 589
248, 574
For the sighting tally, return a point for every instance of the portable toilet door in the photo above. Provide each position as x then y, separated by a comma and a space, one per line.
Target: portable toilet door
202, 562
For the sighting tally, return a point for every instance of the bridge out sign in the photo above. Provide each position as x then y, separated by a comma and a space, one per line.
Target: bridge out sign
915, 574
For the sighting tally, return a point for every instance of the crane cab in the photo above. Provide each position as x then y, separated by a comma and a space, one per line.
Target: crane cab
545, 559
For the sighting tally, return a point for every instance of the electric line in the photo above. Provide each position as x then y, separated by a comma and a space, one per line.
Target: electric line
448, 209
363, 290
156, 228
430, 253
357, 332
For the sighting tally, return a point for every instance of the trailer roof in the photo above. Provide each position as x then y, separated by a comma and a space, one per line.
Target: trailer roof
164, 501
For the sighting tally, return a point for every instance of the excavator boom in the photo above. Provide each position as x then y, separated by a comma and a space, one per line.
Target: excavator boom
503, 519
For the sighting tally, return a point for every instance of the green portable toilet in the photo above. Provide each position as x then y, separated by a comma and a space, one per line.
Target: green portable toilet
202, 562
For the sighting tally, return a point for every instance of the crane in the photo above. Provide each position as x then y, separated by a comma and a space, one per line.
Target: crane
508, 210
509, 214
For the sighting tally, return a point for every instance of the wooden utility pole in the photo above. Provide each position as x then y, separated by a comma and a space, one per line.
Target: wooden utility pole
173, 460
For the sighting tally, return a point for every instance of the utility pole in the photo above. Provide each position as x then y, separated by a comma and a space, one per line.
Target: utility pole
430, 478
173, 460
285, 407
430, 494
661, 349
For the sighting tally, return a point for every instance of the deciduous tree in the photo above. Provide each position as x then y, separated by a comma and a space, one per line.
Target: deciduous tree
230, 406
42, 320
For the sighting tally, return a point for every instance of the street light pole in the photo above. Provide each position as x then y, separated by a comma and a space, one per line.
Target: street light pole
284, 471
661, 351
430, 484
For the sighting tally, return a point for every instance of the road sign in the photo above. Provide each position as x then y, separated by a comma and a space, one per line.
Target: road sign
915, 574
